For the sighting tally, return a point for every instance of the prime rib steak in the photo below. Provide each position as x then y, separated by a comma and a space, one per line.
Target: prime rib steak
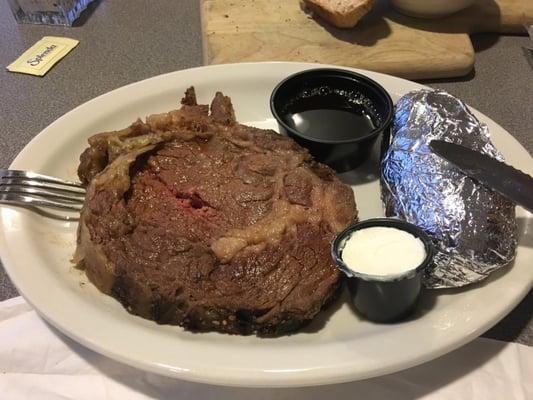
193, 219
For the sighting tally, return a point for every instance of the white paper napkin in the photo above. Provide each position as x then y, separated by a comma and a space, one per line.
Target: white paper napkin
39, 363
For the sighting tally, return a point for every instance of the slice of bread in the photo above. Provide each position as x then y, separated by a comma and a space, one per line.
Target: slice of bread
341, 13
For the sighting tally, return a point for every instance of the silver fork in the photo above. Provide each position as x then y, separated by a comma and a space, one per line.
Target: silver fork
26, 188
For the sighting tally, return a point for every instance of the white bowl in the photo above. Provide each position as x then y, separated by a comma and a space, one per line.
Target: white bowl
430, 8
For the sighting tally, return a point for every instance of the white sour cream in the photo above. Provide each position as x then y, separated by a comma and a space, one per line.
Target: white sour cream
383, 251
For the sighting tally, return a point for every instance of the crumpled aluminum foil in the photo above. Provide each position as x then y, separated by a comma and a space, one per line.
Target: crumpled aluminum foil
473, 227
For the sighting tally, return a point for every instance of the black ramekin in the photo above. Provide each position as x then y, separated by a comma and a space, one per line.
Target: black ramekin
384, 298
341, 155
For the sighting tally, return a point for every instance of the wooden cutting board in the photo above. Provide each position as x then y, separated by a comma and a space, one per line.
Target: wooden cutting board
384, 41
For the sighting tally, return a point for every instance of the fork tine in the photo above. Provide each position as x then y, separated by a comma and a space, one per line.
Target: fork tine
19, 199
13, 173
28, 188
42, 185
44, 193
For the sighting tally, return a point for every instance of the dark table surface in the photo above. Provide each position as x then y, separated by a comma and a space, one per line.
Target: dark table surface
123, 42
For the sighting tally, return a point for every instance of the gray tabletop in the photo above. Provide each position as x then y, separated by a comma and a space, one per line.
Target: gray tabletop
122, 43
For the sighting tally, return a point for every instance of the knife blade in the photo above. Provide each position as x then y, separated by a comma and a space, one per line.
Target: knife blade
510, 182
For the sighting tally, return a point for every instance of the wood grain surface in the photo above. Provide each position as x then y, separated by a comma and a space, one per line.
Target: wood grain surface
384, 40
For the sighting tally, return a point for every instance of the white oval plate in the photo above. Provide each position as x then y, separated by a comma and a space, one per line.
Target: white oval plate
337, 347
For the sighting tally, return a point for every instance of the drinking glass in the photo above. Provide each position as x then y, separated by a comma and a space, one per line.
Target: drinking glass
48, 12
